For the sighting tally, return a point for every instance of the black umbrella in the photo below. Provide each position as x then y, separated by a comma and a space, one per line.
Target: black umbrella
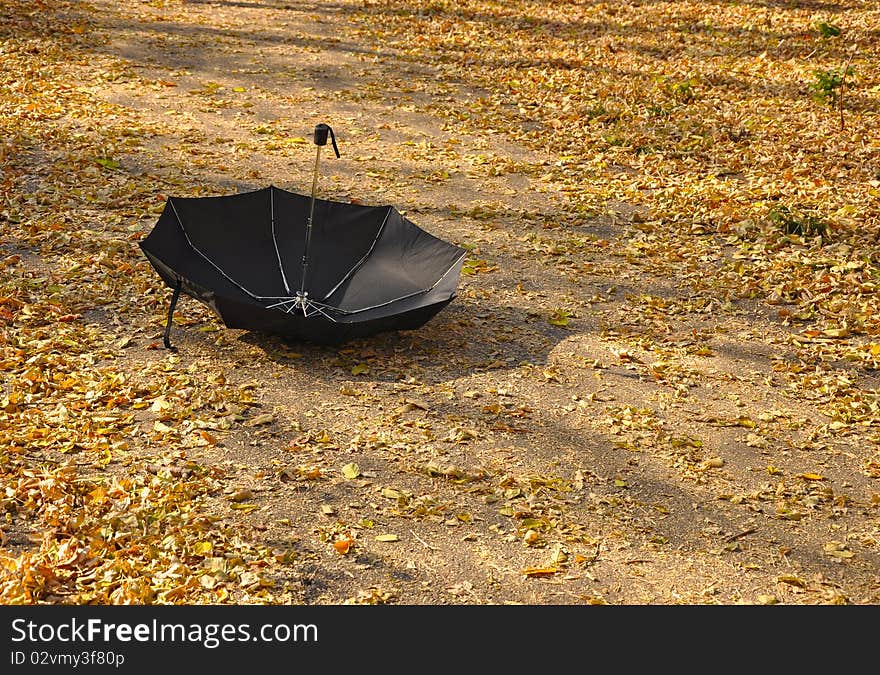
322, 271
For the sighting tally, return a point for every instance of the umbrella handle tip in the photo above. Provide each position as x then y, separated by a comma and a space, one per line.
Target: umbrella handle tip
321, 132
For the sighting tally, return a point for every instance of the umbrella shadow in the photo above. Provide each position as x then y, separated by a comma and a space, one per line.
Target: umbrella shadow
467, 337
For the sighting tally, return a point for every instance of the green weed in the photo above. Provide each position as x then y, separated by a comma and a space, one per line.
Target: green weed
827, 30
797, 222
826, 89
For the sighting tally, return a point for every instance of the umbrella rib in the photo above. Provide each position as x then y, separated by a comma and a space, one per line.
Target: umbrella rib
211, 262
410, 295
288, 305
274, 240
360, 262
320, 311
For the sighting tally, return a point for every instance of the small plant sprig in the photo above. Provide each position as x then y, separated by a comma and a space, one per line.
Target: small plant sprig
830, 86
827, 30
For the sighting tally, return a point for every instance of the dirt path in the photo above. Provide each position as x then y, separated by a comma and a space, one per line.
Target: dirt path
581, 425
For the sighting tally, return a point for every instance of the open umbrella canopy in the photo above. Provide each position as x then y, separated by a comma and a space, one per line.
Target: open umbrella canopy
322, 271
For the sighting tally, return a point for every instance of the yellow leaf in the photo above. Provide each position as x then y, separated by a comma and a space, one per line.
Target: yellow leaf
245, 507
360, 369
792, 580
560, 318
351, 471
203, 548
811, 476
98, 495
387, 537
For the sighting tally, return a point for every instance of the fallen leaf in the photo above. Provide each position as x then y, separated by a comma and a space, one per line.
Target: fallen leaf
266, 418
203, 547
540, 571
560, 317
245, 507
838, 550
207, 437
792, 580
160, 404
531, 537
107, 163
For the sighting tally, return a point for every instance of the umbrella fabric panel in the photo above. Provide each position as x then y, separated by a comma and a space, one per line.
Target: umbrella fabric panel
342, 234
432, 301
235, 233
438, 297
168, 250
406, 261
318, 328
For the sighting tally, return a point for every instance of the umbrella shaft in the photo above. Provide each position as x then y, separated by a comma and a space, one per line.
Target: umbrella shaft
305, 260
